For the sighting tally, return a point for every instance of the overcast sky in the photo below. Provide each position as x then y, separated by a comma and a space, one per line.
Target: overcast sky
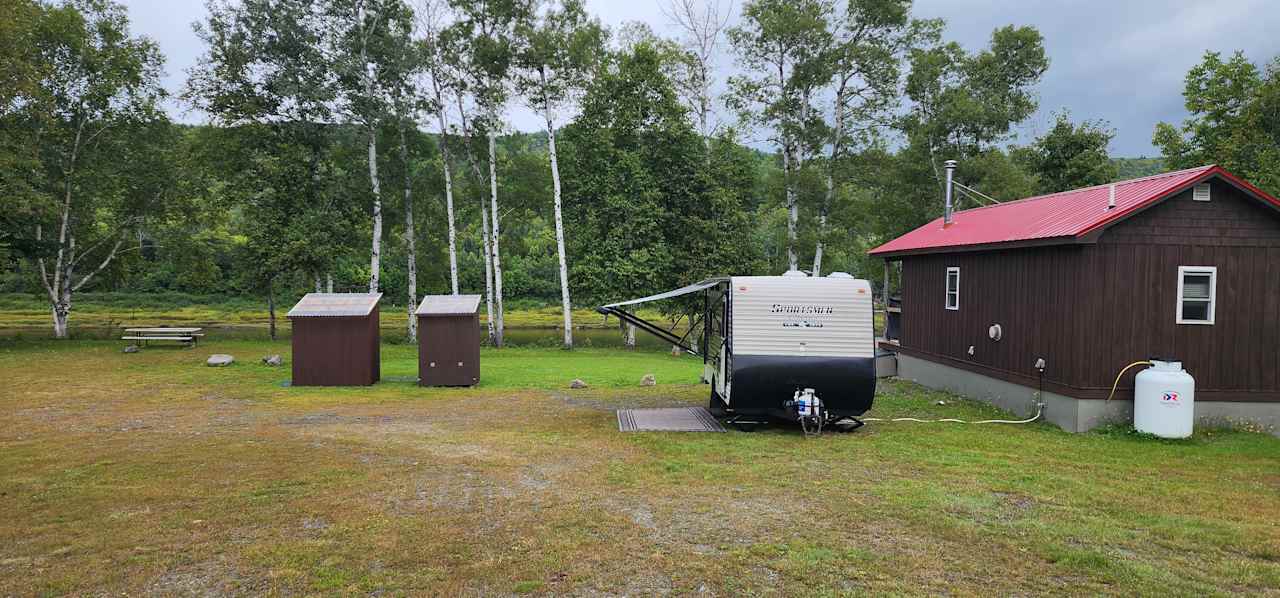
1122, 61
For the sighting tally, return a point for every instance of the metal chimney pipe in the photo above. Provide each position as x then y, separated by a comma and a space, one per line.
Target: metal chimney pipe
1111, 197
951, 171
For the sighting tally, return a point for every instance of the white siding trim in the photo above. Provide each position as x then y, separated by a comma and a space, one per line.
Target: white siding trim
1212, 271
946, 289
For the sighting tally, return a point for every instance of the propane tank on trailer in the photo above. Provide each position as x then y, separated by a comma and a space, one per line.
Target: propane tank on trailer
1164, 400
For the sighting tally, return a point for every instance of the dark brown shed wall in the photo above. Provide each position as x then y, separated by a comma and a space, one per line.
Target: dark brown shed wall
336, 351
1092, 309
449, 350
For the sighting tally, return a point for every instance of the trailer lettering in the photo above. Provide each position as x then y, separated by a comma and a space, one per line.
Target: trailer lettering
793, 308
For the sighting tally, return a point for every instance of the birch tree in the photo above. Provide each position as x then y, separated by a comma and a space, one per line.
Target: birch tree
267, 78
368, 36
485, 32
868, 45
93, 111
558, 50
469, 142
440, 83
777, 44
701, 23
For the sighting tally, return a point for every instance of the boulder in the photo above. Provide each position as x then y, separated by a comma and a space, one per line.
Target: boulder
648, 380
132, 348
273, 360
676, 351
577, 383
219, 360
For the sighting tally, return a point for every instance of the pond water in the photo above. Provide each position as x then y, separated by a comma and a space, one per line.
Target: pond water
515, 337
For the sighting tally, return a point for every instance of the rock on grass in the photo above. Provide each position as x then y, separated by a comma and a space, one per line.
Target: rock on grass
577, 383
218, 360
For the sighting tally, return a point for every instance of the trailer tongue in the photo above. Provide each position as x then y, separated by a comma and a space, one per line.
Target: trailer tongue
777, 347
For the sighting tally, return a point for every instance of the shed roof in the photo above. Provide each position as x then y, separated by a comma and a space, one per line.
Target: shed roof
448, 305
1065, 217
335, 305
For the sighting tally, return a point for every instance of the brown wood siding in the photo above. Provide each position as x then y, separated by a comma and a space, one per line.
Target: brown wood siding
1090, 310
336, 351
449, 350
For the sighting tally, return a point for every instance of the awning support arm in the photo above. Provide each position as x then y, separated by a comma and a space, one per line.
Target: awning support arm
649, 327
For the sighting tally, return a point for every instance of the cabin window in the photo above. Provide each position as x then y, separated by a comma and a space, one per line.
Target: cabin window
953, 288
1197, 294
1201, 192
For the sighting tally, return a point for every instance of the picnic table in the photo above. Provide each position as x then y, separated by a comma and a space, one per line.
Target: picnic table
183, 335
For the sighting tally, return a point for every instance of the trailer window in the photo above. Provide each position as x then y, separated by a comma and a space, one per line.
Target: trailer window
953, 288
1197, 294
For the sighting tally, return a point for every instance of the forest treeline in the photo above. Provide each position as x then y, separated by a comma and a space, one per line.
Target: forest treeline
361, 145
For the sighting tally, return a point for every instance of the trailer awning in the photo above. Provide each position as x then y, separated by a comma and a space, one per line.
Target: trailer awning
693, 288
616, 309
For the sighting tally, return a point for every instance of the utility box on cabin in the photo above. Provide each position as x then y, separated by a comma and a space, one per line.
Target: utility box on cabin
336, 340
449, 340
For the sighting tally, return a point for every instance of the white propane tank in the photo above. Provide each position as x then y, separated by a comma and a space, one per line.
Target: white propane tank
1164, 400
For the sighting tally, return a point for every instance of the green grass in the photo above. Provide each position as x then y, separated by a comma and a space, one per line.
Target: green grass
150, 473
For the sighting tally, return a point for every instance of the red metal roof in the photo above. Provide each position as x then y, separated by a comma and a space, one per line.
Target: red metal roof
1059, 217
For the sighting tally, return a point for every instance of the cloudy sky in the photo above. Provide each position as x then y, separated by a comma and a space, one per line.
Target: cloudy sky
1121, 61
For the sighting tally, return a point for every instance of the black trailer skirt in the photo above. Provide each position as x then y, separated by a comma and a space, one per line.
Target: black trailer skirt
762, 384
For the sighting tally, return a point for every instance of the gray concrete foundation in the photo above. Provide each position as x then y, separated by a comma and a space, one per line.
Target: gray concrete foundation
1070, 414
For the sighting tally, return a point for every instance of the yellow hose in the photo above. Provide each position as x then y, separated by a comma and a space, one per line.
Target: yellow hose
1126, 368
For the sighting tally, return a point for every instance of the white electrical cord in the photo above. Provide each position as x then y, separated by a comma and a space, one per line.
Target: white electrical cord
1039, 409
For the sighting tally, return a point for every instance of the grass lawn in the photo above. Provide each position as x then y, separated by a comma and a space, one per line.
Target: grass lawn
152, 474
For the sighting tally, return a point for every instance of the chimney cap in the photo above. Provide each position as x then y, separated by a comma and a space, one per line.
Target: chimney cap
950, 163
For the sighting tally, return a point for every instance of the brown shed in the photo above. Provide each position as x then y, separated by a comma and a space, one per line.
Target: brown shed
449, 340
1183, 265
335, 339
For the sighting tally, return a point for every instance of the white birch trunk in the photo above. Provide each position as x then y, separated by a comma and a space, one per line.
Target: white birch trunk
484, 222
497, 257
62, 285
793, 210
837, 140
319, 285
375, 256
488, 270
409, 241
328, 282
565, 306
448, 198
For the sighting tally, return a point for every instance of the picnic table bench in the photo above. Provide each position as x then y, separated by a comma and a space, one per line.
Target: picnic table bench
183, 335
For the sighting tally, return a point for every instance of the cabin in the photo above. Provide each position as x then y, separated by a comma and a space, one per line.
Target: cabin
1060, 292
336, 339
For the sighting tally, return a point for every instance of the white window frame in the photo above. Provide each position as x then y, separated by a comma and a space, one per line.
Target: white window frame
946, 289
1212, 271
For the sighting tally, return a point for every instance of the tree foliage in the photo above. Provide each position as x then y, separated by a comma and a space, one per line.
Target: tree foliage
1234, 122
1070, 156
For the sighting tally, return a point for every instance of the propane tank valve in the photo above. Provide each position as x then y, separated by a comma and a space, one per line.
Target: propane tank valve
809, 411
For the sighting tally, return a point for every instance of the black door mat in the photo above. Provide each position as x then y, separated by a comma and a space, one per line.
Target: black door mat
676, 419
